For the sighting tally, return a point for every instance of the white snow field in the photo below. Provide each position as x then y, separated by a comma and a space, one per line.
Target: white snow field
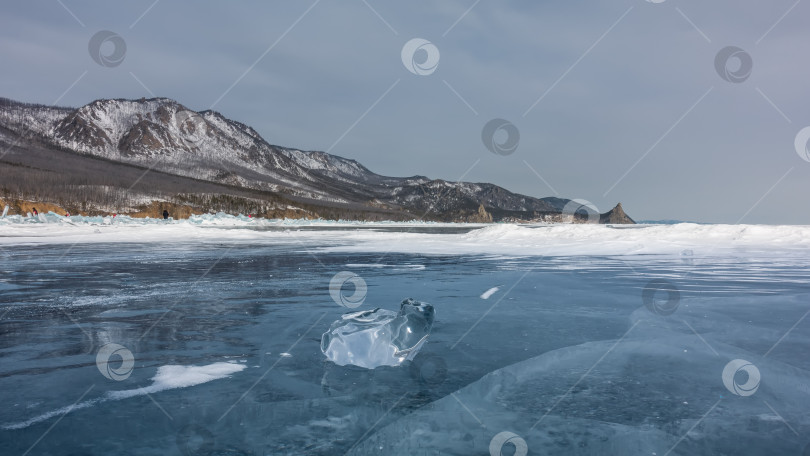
416, 237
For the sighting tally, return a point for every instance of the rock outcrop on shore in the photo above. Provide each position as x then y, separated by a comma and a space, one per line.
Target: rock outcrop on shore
616, 216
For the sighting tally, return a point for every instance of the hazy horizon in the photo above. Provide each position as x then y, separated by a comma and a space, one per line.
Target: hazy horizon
637, 102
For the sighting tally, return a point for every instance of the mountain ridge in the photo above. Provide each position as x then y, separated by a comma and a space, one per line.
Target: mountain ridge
161, 134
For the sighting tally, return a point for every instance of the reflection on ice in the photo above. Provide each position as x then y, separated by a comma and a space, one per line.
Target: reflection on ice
373, 338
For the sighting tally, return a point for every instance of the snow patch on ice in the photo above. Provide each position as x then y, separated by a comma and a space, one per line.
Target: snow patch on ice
167, 377
172, 377
52, 413
490, 292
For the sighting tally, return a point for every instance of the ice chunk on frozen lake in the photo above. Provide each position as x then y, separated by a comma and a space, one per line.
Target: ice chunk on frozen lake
379, 337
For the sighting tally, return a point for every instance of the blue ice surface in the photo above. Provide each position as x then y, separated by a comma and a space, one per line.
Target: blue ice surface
565, 355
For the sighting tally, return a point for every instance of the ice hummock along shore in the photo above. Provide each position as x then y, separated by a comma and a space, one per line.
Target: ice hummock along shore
379, 337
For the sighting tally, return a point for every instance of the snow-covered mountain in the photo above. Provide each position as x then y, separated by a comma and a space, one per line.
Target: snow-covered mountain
164, 135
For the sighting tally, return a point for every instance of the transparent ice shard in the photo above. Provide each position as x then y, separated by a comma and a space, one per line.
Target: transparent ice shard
373, 338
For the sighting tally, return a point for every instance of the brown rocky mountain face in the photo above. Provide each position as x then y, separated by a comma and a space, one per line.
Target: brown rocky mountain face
209, 162
616, 216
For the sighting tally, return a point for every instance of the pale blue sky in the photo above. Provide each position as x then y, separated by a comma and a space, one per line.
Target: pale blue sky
619, 80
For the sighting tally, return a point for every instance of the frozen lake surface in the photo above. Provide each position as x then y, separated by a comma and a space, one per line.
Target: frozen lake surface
546, 340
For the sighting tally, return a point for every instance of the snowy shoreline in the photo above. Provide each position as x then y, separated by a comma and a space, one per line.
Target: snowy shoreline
685, 239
